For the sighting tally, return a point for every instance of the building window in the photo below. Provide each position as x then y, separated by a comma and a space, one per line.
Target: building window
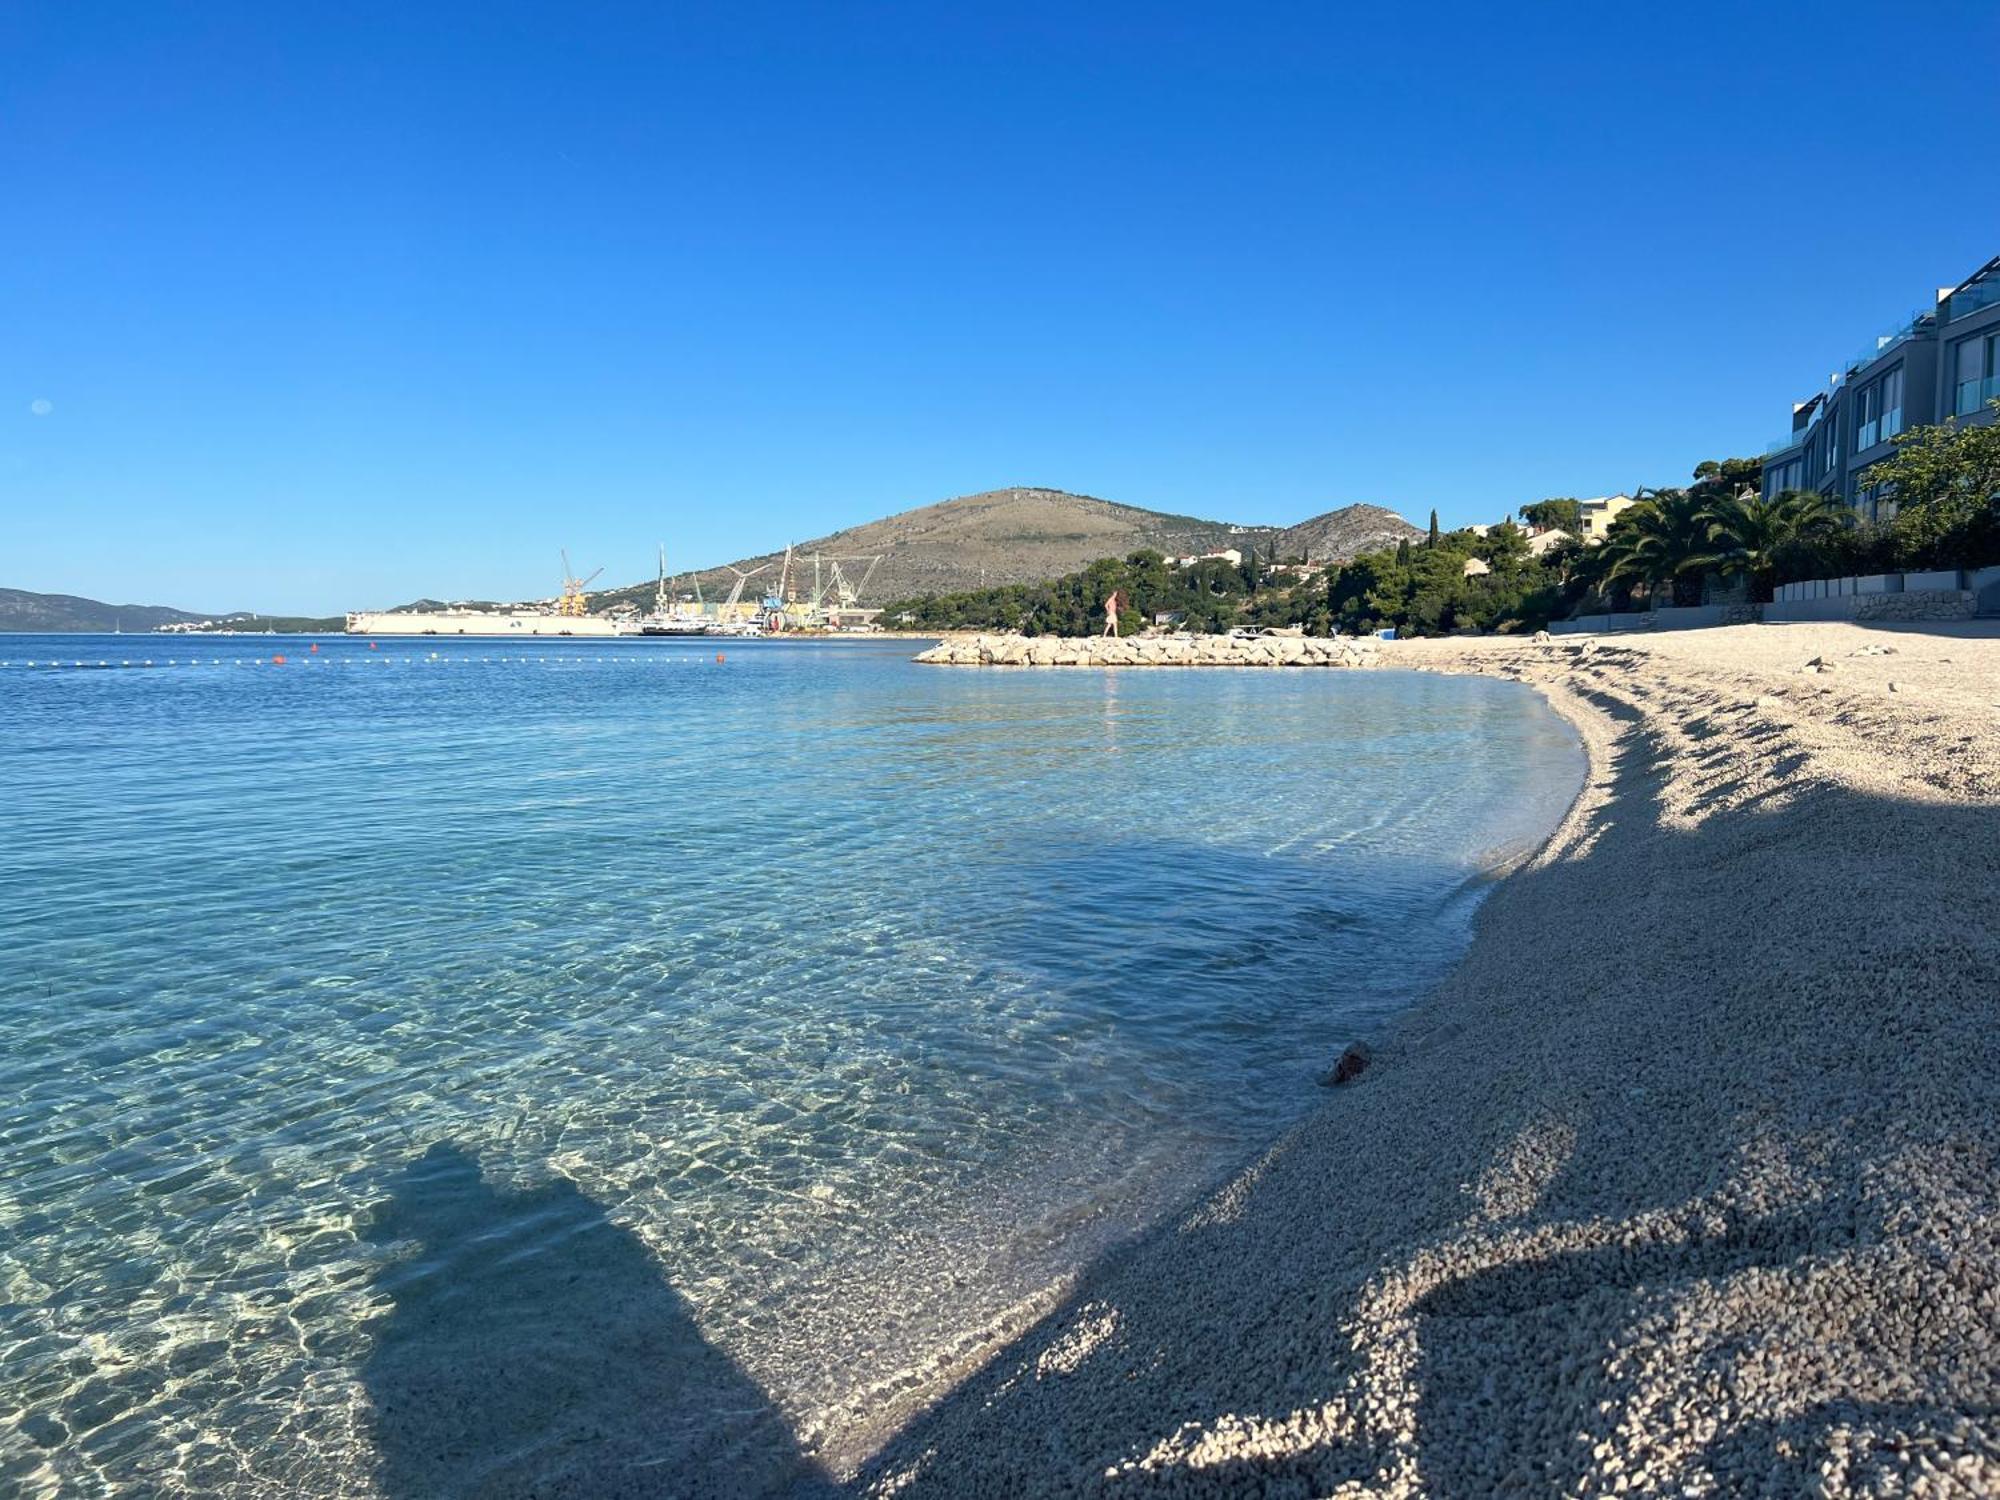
1977, 359
1878, 411
1876, 503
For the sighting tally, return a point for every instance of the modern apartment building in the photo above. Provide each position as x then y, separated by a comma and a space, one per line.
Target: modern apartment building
1938, 364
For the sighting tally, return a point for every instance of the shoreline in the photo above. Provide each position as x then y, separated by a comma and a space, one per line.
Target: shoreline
1686, 1176
845, 1437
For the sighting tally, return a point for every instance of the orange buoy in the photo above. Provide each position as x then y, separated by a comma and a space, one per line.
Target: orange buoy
277, 661
315, 648
718, 658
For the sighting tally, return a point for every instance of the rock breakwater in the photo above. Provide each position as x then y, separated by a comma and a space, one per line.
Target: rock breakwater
1152, 651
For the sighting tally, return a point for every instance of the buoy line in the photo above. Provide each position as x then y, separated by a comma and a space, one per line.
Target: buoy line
280, 659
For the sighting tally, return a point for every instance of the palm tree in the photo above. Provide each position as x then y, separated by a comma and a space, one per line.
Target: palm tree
1752, 534
1662, 539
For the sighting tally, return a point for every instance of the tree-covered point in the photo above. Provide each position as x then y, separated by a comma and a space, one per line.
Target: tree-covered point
1432, 590
1422, 589
279, 625
1209, 595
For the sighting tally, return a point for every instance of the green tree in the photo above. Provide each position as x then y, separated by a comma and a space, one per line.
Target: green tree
1945, 481
1562, 515
1719, 478
1757, 537
1659, 541
1503, 547
1434, 529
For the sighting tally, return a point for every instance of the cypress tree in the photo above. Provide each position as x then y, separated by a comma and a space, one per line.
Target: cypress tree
1434, 528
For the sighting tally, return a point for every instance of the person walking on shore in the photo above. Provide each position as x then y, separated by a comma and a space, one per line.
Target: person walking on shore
1111, 612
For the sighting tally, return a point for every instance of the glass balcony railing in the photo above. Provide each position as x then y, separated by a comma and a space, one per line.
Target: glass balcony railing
1885, 342
1783, 443
1979, 294
1974, 394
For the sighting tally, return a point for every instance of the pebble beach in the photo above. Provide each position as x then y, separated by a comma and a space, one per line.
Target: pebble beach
1686, 1181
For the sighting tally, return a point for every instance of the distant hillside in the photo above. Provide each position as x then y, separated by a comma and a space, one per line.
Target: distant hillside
1002, 536
1348, 532
21, 610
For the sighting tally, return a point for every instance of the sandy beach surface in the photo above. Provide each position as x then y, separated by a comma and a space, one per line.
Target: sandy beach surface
1686, 1182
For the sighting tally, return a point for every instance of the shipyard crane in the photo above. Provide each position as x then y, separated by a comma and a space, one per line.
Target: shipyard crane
836, 585
850, 597
573, 587
780, 596
665, 601
736, 593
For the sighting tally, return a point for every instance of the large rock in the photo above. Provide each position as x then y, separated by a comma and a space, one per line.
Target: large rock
1349, 1066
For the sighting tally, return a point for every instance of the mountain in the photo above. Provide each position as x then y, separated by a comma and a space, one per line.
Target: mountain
1344, 533
1023, 535
1001, 536
21, 610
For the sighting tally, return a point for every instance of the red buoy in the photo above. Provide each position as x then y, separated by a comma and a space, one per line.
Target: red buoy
718, 658
277, 661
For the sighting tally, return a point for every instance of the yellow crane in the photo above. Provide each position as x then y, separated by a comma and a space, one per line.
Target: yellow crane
572, 595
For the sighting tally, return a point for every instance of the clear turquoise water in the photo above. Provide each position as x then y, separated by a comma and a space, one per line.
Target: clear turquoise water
443, 1070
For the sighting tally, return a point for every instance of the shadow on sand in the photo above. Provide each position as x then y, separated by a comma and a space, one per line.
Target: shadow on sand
536, 1349
1356, 1270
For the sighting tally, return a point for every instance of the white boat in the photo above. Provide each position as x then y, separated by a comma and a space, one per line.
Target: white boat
667, 618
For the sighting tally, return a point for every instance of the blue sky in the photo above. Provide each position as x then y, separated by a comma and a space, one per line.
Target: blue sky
315, 307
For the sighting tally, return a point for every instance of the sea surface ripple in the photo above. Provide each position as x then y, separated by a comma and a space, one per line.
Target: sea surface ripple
458, 1067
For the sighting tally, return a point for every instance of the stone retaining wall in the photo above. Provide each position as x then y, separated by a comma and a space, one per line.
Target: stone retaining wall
1152, 651
1912, 604
1917, 604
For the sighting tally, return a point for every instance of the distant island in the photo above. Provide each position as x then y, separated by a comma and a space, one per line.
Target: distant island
71, 614
21, 610
62, 614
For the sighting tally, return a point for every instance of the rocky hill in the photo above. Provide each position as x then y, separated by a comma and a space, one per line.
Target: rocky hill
1344, 533
1001, 536
21, 610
